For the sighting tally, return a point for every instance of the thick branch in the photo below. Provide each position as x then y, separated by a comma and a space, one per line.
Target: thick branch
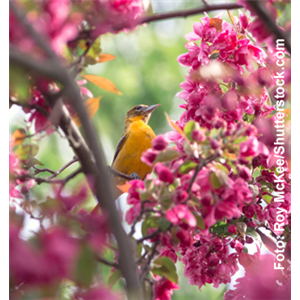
45, 68
97, 168
270, 23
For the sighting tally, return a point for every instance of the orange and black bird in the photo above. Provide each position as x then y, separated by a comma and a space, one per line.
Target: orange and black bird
136, 139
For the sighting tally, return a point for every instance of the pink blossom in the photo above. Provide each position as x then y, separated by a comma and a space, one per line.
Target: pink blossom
163, 173
244, 172
179, 212
232, 228
203, 265
132, 213
169, 252
96, 228
164, 289
73, 200
149, 156
261, 281
179, 196
249, 211
159, 143
245, 21
53, 259
229, 100
41, 122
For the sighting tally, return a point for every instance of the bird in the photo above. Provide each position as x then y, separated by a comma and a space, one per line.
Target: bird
136, 139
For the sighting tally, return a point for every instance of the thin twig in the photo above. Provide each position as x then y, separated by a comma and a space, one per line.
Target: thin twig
63, 168
169, 15
199, 167
189, 12
149, 236
107, 262
149, 259
40, 180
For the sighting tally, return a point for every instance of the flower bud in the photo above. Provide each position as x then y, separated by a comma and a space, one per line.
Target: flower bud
160, 142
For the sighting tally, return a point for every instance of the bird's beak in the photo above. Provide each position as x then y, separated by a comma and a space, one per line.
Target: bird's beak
150, 109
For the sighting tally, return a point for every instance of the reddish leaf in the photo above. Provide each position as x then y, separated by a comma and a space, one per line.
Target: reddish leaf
231, 17
124, 187
217, 23
104, 57
175, 126
102, 82
18, 137
91, 106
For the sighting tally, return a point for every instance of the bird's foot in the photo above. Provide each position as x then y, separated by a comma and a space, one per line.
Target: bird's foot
134, 176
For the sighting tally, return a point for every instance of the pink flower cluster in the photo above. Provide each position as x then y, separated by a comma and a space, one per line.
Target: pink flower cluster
50, 260
60, 20
208, 261
112, 16
52, 18
221, 119
261, 281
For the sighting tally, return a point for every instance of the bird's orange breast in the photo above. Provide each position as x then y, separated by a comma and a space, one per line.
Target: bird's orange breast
128, 161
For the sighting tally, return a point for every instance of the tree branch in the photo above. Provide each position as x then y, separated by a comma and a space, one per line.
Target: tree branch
149, 259
96, 167
169, 15
189, 12
270, 23
119, 174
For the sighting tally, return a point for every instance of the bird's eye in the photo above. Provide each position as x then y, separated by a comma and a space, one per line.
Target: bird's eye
138, 108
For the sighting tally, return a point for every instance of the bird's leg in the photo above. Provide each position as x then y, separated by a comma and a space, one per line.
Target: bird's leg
134, 175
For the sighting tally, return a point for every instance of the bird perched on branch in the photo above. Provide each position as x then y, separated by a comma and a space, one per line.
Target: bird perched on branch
136, 139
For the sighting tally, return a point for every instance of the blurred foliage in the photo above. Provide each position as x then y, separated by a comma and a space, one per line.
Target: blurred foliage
146, 71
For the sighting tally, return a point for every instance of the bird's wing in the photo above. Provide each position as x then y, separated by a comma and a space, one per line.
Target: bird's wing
120, 145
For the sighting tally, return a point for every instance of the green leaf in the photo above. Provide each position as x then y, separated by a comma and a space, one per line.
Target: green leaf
200, 222
114, 277
139, 249
240, 139
267, 198
256, 173
188, 129
187, 166
32, 162
167, 268
26, 151
218, 178
157, 271
221, 167
164, 224
86, 267
167, 155
150, 222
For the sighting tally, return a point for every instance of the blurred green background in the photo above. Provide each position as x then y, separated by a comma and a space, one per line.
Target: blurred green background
146, 71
